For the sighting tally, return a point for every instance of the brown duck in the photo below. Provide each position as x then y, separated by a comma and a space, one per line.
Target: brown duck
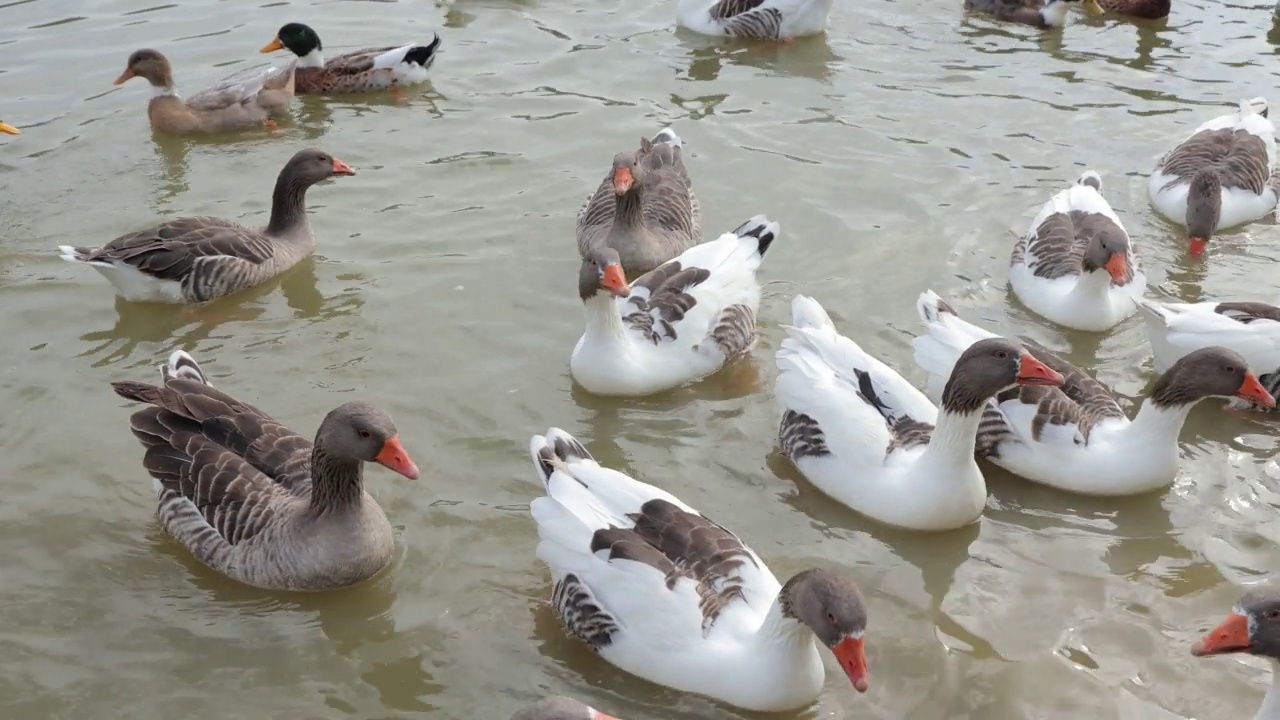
357, 71
1031, 12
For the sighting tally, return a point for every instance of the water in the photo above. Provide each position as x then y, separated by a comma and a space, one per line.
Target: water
903, 151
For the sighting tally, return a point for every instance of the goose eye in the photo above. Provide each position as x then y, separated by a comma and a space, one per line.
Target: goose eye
365, 434
1002, 354
831, 618
1272, 614
1230, 368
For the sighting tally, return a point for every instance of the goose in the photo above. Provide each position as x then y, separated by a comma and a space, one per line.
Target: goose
240, 102
1249, 328
867, 438
8, 129
1076, 266
1220, 176
1076, 437
1037, 13
644, 208
677, 324
1145, 9
757, 19
560, 708
357, 71
197, 259
1253, 627
664, 593
256, 501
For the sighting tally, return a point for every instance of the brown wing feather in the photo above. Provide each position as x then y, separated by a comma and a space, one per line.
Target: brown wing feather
1247, 312
1059, 244
169, 251
1239, 157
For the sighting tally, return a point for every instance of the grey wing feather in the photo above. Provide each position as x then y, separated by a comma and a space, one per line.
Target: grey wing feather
1239, 157
241, 88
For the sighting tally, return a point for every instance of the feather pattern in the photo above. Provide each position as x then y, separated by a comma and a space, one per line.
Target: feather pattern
370, 69
755, 19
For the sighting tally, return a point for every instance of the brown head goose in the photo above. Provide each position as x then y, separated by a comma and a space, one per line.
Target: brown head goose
662, 592
644, 209
1220, 176
560, 708
870, 440
1076, 437
1252, 627
1077, 266
1037, 13
239, 102
256, 501
195, 259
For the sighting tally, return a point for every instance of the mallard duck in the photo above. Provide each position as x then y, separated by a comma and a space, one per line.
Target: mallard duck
8, 129
644, 208
357, 71
662, 592
256, 501
241, 102
1076, 265
1146, 9
196, 259
1031, 12
760, 19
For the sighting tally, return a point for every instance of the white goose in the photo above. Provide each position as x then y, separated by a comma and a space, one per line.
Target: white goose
1252, 627
662, 592
863, 435
1076, 437
1077, 266
1220, 176
677, 324
760, 19
1249, 328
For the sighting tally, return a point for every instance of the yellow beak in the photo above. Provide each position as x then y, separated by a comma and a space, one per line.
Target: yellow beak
272, 46
1092, 7
7, 128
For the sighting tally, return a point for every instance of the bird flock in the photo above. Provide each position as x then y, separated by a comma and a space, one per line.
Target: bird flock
653, 585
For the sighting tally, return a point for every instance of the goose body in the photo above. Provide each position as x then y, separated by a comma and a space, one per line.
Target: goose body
1145, 9
254, 500
1037, 13
197, 259
1076, 437
664, 593
365, 70
866, 437
759, 19
1220, 176
675, 325
1076, 265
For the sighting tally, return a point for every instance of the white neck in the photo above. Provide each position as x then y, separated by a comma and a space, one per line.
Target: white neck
1094, 286
951, 444
313, 59
1270, 709
163, 91
604, 322
1055, 13
1156, 426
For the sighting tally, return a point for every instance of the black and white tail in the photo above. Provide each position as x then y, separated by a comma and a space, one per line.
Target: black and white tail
182, 365
762, 229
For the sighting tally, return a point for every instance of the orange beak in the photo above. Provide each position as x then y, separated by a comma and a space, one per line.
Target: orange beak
1198, 245
623, 180
8, 129
1229, 637
614, 281
1118, 266
1033, 372
597, 715
124, 76
1251, 389
849, 652
272, 46
394, 457
341, 168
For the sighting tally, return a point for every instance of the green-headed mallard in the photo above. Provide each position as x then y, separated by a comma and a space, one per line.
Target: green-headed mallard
358, 71
1031, 12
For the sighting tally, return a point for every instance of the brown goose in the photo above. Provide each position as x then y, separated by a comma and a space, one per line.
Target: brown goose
196, 259
1037, 13
645, 208
1252, 627
256, 501
238, 102
662, 592
1077, 438
560, 708
1146, 9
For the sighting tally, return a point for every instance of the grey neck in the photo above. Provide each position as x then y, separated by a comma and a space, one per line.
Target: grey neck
288, 205
336, 483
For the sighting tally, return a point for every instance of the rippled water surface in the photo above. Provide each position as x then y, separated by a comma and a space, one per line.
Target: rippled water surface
904, 150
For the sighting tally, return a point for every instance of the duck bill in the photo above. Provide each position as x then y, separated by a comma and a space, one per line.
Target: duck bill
1229, 637
124, 76
1033, 372
1092, 7
1253, 390
394, 457
341, 168
1198, 245
272, 46
615, 281
623, 180
1118, 267
8, 129
850, 653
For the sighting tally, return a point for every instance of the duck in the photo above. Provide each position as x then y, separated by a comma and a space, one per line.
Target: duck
1076, 437
1037, 13
755, 19
675, 325
560, 708
1250, 328
240, 102
255, 501
1221, 176
366, 70
8, 129
868, 439
644, 208
198, 259
1145, 9
660, 591
1076, 266
1252, 627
